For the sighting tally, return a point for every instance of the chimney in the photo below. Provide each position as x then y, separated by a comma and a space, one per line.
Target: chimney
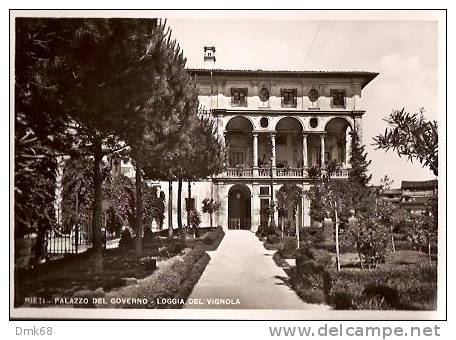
209, 56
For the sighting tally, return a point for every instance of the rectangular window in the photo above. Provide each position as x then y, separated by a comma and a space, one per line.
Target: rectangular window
264, 191
239, 96
337, 98
289, 97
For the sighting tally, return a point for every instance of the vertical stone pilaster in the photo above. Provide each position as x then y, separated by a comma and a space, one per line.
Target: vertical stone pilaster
255, 153
273, 150
304, 150
322, 148
359, 127
255, 207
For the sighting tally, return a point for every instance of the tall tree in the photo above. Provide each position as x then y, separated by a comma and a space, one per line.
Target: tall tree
205, 152
81, 75
362, 200
357, 173
412, 136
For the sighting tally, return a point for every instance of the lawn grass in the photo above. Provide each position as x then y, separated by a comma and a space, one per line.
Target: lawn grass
405, 281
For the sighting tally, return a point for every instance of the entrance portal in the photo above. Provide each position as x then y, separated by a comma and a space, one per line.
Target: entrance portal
239, 207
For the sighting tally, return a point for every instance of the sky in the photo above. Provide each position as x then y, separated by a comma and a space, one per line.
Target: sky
405, 53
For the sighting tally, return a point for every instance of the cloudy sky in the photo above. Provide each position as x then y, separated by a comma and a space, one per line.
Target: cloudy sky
405, 53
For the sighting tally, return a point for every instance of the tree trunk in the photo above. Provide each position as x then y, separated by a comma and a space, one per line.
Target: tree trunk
337, 238
179, 203
170, 208
429, 252
392, 239
189, 202
97, 208
139, 209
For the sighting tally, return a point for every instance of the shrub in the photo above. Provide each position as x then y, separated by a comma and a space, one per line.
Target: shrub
371, 239
126, 240
383, 293
165, 282
177, 247
194, 218
266, 231
342, 301
405, 287
315, 235
148, 235
273, 239
310, 274
288, 251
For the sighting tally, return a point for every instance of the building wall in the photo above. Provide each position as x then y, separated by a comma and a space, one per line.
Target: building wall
221, 92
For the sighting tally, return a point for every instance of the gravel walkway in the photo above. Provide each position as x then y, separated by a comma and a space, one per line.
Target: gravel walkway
242, 274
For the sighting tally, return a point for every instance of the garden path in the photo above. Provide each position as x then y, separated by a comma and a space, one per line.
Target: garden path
241, 268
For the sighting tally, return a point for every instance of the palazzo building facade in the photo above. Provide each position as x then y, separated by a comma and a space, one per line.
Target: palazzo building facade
306, 117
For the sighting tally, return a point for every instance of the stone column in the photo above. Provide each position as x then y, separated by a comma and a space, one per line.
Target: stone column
304, 150
322, 146
255, 153
273, 149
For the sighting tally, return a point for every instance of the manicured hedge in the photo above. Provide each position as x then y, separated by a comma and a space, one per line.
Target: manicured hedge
212, 239
164, 283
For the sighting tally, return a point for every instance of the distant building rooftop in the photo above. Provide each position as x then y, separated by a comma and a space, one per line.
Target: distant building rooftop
415, 185
367, 76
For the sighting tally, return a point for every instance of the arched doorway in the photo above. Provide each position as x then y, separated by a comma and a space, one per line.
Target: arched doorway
239, 207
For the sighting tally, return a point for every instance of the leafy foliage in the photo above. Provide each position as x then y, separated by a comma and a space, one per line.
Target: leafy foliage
194, 218
370, 237
34, 186
357, 174
412, 136
287, 199
210, 206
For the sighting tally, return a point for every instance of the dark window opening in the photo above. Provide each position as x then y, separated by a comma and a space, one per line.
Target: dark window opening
264, 191
239, 96
337, 98
289, 97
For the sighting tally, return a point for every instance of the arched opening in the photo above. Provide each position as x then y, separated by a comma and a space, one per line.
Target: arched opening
239, 207
289, 143
337, 140
239, 142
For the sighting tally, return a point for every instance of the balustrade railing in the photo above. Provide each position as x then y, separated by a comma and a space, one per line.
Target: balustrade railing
341, 173
278, 172
236, 172
290, 172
